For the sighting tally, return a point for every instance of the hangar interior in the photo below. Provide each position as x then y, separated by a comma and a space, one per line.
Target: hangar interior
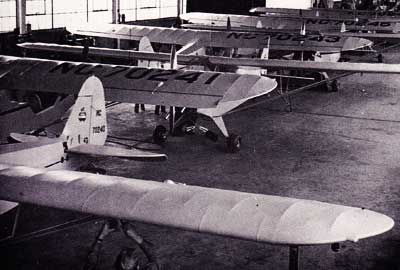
309, 94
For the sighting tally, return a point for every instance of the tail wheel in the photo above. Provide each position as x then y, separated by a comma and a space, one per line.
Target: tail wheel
160, 134
234, 143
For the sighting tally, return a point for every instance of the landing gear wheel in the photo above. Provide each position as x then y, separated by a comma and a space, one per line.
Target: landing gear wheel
380, 58
160, 134
334, 86
234, 142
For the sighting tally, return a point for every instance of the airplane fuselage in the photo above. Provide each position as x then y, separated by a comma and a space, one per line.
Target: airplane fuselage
44, 153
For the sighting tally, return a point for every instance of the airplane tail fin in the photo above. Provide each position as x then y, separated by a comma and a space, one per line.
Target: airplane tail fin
343, 28
87, 123
228, 24
145, 46
303, 29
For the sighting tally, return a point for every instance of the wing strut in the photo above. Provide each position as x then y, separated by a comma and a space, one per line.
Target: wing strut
294, 252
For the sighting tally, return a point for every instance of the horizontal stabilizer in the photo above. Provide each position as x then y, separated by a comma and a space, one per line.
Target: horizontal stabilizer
255, 217
18, 137
107, 151
6, 206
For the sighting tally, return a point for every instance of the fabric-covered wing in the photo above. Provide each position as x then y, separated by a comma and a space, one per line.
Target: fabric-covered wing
254, 217
226, 39
308, 65
124, 83
217, 60
199, 38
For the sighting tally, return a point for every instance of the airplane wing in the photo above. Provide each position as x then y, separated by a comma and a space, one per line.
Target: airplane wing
255, 217
196, 89
107, 151
218, 60
292, 23
198, 38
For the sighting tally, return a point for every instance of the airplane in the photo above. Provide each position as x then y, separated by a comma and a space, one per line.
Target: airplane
333, 70
212, 94
83, 137
255, 217
305, 46
330, 13
313, 24
29, 114
193, 39
220, 60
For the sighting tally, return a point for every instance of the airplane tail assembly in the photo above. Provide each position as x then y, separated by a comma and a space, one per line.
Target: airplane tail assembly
145, 46
86, 130
87, 123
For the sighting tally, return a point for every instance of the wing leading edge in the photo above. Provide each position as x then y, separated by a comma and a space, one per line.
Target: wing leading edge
255, 217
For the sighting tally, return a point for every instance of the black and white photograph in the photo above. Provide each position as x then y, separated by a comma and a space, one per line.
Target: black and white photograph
199, 134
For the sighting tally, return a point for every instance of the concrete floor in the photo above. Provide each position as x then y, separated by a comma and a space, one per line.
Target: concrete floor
340, 148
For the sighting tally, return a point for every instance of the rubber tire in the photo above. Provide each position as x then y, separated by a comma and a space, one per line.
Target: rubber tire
334, 86
160, 134
234, 143
380, 58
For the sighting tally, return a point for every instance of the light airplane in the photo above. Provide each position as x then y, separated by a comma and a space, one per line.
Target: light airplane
193, 40
30, 115
254, 217
219, 60
322, 38
330, 13
313, 24
83, 137
213, 94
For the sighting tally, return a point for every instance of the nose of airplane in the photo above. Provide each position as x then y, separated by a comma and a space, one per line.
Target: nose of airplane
355, 43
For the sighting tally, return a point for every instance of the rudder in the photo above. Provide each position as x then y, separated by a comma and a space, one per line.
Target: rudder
145, 46
87, 123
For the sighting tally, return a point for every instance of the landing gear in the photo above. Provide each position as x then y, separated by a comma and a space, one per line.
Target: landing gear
332, 86
380, 58
160, 134
233, 143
